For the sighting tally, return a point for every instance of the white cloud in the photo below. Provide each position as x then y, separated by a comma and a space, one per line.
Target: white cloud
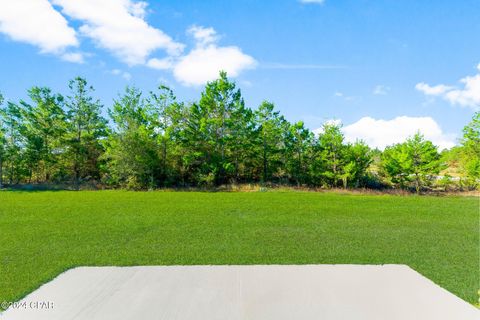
203, 36
161, 64
36, 22
125, 75
336, 122
381, 90
339, 94
74, 57
467, 96
432, 90
380, 133
312, 1
204, 62
333, 122
119, 27
137, 9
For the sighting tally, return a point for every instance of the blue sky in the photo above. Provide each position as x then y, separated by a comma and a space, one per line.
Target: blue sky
383, 68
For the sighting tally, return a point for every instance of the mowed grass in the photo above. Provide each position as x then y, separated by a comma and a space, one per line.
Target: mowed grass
45, 233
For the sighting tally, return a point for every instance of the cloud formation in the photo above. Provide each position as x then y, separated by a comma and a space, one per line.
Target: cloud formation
204, 62
203, 36
119, 27
339, 94
381, 90
74, 57
379, 133
161, 64
466, 96
125, 75
36, 22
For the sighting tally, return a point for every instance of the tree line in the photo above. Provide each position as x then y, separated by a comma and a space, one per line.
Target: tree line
147, 141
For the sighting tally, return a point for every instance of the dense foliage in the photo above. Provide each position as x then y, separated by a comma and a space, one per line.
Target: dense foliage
154, 140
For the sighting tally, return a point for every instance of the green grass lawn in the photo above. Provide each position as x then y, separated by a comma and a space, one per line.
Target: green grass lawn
45, 233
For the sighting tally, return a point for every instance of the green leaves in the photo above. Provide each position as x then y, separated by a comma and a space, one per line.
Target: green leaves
86, 127
416, 160
340, 161
268, 141
43, 127
154, 140
470, 157
132, 152
221, 125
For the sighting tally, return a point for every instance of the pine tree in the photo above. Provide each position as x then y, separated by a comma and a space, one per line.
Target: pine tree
44, 131
86, 127
132, 151
358, 160
470, 151
414, 160
270, 139
13, 155
332, 151
3, 141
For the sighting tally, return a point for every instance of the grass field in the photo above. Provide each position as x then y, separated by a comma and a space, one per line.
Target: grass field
45, 233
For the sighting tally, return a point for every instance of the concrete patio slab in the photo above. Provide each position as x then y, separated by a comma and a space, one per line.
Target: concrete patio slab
242, 292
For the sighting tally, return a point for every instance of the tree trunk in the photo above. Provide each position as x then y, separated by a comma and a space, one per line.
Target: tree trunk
299, 178
334, 170
417, 183
11, 173
164, 160
264, 162
77, 177
1, 172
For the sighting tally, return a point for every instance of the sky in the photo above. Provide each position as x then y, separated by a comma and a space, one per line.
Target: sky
384, 69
